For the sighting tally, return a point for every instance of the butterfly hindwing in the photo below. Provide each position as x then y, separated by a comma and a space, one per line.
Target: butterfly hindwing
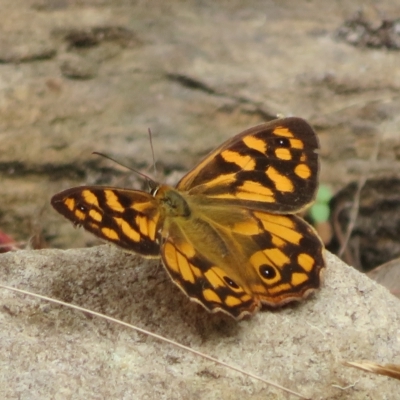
245, 258
288, 258
273, 166
206, 283
127, 218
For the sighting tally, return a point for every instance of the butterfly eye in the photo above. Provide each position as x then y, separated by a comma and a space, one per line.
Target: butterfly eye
283, 142
231, 283
267, 272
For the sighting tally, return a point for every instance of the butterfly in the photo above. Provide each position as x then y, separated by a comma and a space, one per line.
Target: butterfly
228, 233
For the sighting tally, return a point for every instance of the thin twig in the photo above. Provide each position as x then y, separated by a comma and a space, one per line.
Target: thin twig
356, 202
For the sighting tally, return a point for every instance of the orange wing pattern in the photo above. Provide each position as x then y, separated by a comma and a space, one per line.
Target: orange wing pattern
273, 167
127, 218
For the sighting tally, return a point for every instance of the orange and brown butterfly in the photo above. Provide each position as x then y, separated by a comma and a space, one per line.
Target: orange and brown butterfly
227, 233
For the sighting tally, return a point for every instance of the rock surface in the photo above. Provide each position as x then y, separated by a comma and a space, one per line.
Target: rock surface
49, 351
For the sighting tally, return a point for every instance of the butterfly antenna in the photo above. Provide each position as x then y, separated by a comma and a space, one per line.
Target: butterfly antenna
148, 179
152, 151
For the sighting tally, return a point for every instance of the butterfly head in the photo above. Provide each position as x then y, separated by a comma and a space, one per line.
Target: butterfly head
172, 201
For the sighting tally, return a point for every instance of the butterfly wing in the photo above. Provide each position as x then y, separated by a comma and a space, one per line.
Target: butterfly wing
234, 259
273, 166
127, 218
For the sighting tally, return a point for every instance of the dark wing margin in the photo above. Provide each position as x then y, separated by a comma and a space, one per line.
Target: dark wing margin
273, 166
127, 218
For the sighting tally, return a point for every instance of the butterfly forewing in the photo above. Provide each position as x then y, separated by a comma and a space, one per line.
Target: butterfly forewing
127, 218
273, 166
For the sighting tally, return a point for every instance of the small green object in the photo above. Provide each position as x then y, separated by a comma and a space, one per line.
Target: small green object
319, 212
324, 194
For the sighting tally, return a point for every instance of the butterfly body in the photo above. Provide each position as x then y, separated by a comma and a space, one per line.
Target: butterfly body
226, 234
